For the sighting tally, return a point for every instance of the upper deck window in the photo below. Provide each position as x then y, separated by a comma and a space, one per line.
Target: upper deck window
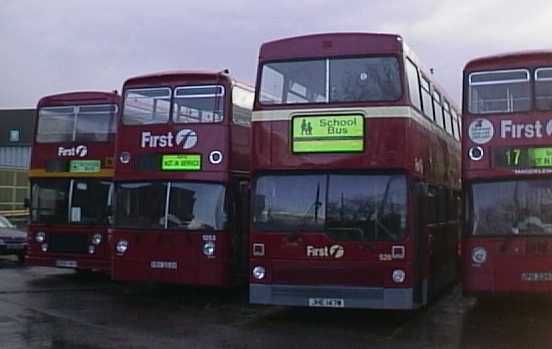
336, 80
543, 88
502, 91
85, 123
198, 104
147, 106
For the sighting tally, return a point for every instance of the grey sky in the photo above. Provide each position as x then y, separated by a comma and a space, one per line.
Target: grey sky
51, 46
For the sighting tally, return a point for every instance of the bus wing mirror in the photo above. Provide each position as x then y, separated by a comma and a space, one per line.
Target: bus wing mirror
26, 203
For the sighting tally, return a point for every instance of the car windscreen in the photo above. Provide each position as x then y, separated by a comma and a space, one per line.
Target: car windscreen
344, 206
191, 205
333, 80
5, 223
521, 207
50, 200
80, 123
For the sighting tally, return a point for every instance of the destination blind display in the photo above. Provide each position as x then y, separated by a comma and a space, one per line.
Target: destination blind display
85, 166
523, 157
328, 134
181, 162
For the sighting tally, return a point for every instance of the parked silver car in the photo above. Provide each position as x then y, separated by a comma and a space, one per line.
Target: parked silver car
12, 240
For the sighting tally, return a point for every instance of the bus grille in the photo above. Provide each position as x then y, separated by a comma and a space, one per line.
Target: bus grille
68, 243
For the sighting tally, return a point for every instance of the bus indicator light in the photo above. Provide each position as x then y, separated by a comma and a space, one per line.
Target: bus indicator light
328, 134
181, 162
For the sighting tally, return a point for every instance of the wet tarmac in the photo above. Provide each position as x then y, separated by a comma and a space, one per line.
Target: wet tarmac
49, 308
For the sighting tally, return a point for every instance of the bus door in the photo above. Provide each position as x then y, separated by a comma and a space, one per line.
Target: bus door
240, 227
424, 216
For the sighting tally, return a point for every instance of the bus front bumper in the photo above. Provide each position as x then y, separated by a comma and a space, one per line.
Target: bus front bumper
333, 296
70, 262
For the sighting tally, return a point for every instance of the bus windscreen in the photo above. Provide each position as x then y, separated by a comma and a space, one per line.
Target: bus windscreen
335, 80
522, 207
70, 201
345, 206
191, 206
84, 123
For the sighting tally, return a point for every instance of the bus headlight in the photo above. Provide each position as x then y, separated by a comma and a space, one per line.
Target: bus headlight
209, 248
40, 237
124, 157
91, 249
259, 272
122, 246
44, 247
479, 255
97, 239
398, 276
476, 153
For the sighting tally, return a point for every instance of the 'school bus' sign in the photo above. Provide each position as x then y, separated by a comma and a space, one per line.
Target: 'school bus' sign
181, 162
328, 134
523, 157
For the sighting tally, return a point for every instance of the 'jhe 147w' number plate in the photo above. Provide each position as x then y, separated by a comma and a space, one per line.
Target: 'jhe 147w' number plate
326, 302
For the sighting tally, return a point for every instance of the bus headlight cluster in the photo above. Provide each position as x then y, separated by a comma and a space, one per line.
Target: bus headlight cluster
476, 153
40, 237
209, 248
259, 272
124, 157
398, 276
96, 239
122, 246
91, 249
44, 247
479, 255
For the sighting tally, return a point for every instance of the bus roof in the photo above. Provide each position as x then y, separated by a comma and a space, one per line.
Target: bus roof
81, 97
511, 60
176, 76
331, 44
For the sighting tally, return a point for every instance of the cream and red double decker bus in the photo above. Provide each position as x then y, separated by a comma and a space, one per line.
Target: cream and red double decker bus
356, 175
71, 180
507, 173
182, 179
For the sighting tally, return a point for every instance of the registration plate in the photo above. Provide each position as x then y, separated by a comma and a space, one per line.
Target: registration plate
15, 246
536, 277
326, 302
66, 264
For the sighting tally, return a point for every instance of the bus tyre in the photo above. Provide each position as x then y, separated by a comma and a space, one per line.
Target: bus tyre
21, 258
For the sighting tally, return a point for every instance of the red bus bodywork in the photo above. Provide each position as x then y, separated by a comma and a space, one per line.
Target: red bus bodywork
176, 255
513, 261
65, 244
302, 268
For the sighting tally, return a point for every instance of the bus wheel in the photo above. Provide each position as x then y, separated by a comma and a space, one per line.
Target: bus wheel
21, 258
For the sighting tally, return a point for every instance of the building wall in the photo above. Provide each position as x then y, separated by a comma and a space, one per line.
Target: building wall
14, 188
15, 153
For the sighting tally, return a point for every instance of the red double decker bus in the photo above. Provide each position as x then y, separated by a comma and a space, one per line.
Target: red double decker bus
507, 168
356, 175
182, 179
71, 180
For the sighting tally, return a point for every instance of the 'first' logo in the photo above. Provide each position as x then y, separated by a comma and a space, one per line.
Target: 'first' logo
80, 151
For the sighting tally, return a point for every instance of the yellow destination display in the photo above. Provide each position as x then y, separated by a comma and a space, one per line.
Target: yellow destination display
85, 166
328, 134
181, 162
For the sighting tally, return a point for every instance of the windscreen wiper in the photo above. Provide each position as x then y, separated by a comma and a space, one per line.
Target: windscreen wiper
306, 215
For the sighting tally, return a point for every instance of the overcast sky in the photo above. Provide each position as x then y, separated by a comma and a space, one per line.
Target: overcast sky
51, 46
